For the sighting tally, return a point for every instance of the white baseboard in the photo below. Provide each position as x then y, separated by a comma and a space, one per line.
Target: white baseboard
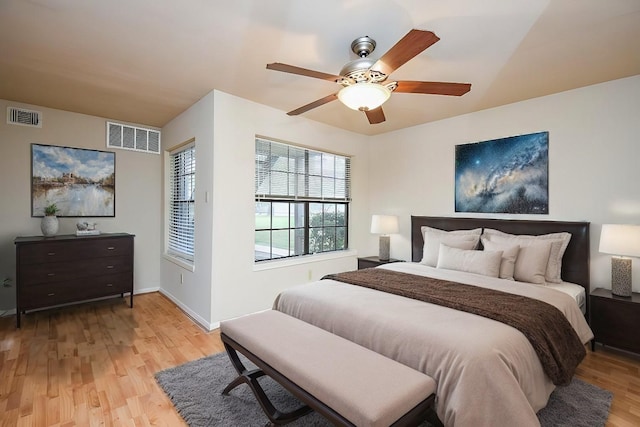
8, 312
193, 315
148, 290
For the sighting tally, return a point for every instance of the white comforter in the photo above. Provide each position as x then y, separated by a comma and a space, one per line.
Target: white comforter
488, 374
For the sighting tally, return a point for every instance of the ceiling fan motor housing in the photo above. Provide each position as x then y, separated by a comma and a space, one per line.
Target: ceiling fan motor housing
355, 70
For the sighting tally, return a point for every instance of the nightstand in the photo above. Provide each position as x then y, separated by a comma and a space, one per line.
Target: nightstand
615, 320
374, 261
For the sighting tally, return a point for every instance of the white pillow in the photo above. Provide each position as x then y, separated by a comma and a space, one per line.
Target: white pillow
457, 238
486, 263
433, 240
509, 256
531, 264
559, 243
474, 232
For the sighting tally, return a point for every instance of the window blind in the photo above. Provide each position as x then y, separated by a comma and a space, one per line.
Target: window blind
182, 169
294, 173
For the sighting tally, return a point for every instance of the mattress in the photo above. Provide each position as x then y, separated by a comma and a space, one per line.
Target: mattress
575, 291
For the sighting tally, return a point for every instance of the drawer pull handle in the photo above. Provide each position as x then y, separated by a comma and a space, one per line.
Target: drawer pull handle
109, 266
51, 253
51, 274
109, 285
51, 294
110, 248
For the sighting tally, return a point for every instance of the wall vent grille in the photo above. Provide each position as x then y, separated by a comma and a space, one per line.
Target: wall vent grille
24, 117
133, 138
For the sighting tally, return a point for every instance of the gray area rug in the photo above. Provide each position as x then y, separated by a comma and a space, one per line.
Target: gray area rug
195, 390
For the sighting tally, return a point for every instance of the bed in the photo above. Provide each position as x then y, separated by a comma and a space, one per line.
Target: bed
487, 372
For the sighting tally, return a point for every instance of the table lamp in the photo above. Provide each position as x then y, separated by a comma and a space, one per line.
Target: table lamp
622, 240
384, 225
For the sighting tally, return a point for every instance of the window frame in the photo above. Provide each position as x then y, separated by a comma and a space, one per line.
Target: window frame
172, 252
307, 229
300, 189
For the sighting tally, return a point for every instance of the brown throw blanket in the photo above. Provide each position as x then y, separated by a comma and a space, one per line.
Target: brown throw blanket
549, 332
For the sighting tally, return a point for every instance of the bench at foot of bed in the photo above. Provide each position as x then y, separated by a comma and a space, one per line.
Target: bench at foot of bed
346, 383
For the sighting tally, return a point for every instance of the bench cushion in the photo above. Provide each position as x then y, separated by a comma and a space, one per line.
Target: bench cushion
363, 386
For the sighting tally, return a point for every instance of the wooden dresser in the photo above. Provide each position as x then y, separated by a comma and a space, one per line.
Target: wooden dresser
65, 269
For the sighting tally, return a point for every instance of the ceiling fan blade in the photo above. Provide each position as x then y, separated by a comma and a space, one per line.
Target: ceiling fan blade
313, 105
375, 116
277, 66
434, 88
409, 46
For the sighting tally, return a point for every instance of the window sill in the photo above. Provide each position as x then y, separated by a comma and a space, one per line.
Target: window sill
187, 265
305, 259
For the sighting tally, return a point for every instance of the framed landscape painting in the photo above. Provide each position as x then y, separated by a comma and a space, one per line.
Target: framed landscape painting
506, 175
80, 182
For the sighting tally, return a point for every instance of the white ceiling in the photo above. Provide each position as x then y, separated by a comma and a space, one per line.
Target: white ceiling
146, 61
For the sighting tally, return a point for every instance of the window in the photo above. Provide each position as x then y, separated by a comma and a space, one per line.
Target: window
182, 179
302, 201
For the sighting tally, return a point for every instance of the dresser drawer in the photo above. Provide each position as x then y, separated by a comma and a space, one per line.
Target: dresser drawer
49, 294
61, 271
50, 252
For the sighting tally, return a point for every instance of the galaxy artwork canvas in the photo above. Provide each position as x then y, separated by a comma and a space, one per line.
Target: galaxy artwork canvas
506, 175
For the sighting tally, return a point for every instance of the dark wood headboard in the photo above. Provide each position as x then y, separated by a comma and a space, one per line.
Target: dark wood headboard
575, 263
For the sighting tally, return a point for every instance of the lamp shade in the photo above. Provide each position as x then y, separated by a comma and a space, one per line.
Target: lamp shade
364, 96
620, 239
384, 224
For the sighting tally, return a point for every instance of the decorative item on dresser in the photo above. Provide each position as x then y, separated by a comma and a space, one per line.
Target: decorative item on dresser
614, 320
384, 225
620, 239
374, 261
49, 224
67, 268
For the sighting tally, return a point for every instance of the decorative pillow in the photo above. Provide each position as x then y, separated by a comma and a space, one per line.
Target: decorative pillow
531, 263
457, 238
486, 263
509, 256
559, 243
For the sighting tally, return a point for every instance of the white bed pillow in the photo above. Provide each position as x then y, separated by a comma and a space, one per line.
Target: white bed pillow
509, 256
531, 264
473, 232
486, 263
559, 243
433, 237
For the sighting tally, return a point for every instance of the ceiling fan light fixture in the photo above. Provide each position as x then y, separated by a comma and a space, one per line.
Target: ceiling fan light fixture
364, 96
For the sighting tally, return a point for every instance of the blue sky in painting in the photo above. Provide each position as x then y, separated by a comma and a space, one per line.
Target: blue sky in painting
507, 175
51, 162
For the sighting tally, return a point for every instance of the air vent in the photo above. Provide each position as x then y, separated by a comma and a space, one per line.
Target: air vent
24, 117
133, 138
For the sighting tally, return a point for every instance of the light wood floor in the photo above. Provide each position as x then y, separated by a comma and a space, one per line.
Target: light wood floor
93, 365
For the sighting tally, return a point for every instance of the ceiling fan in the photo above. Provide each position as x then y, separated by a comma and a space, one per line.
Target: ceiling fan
364, 81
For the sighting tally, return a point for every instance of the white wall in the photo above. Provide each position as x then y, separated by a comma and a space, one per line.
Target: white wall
191, 290
137, 191
225, 163
594, 152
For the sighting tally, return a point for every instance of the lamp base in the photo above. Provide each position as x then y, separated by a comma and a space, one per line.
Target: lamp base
621, 276
384, 248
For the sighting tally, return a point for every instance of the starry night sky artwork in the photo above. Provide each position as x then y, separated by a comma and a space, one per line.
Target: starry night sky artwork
506, 175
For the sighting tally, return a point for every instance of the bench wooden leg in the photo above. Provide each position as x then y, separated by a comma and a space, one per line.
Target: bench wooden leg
251, 379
